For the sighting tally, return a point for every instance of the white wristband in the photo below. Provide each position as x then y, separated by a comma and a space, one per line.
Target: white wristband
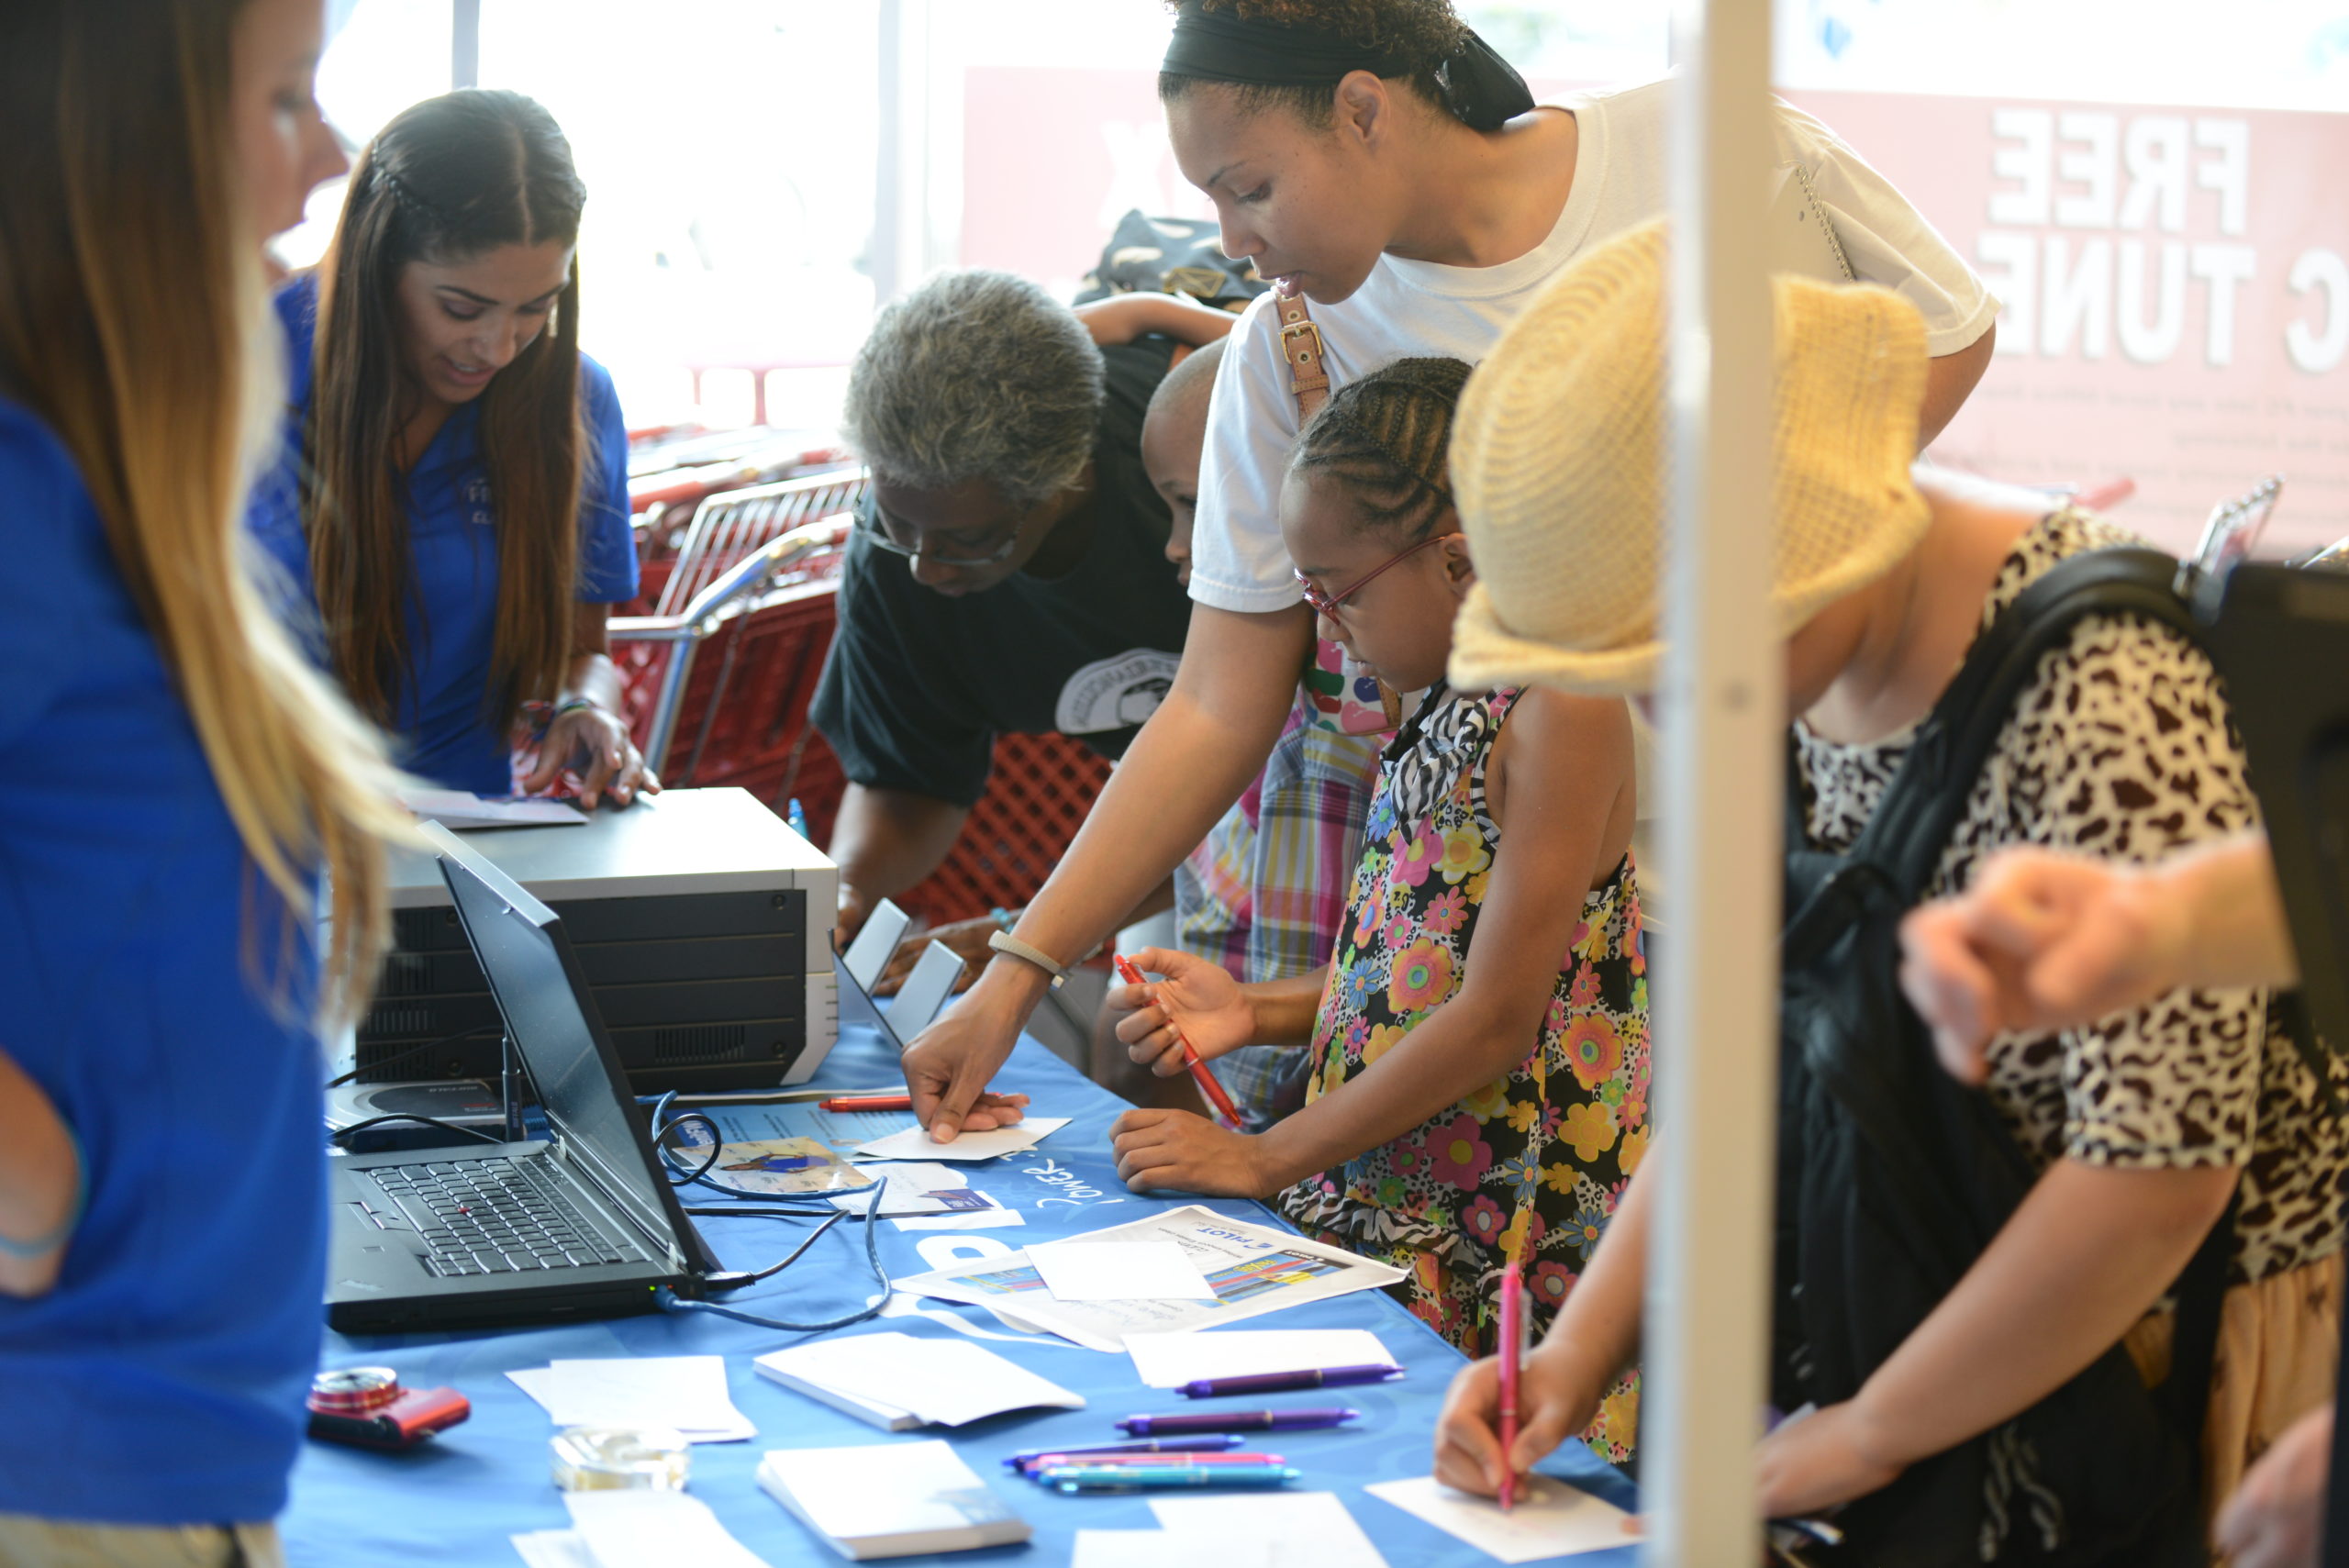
1005, 942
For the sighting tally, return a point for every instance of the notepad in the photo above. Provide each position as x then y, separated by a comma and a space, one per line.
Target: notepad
1549, 1519
914, 1142
886, 1500
898, 1382
1170, 1360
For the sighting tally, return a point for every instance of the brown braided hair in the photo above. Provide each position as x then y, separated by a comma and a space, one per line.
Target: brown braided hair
1385, 437
1425, 32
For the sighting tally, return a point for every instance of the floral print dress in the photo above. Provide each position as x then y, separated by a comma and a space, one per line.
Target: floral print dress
1528, 1168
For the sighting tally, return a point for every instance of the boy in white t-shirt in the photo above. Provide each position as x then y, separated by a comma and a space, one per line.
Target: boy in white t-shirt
1395, 172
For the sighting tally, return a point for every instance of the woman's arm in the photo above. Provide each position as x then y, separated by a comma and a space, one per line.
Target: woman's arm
40, 1185
1231, 694
1122, 318
589, 731
885, 841
1949, 381
2049, 938
2088, 1254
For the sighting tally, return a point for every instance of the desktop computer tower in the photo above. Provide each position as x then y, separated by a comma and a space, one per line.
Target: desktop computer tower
704, 925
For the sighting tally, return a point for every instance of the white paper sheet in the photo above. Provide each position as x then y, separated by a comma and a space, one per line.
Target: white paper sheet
906, 1189
1254, 1270
1549, 1519
645, 1529
945, 1382
977, 1219
1170, 1360
688, 1393
553, 1548
1287, 1527
460, 811
1119, 1270
1154, 1548
914, 1142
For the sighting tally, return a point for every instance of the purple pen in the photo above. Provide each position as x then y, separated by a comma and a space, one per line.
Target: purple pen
1205, 1443
1280, 1382
1238, 1421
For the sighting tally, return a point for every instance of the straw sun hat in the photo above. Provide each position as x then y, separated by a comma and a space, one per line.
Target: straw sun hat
1558, 465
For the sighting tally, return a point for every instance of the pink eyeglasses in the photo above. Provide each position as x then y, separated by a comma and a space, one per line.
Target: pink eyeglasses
1327, 604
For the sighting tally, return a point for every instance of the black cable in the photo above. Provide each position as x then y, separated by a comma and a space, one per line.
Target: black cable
342, 1133
737, 1281
670, 1301
416, 1051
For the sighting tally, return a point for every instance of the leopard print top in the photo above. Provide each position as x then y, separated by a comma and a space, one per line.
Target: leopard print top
2121, 747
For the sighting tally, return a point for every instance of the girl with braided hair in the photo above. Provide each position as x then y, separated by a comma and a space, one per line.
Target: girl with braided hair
1479, 1038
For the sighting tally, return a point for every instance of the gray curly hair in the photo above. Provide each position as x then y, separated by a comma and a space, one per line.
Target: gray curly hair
976, 375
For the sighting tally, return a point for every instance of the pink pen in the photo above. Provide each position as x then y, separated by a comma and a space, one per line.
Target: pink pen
1512, 1330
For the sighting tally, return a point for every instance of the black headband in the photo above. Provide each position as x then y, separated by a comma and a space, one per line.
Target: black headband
1480, 88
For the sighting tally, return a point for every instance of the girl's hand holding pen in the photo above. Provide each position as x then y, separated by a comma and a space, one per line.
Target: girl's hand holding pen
1196, 1001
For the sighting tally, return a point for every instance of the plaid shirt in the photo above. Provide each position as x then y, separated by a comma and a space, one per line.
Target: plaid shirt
1265, 894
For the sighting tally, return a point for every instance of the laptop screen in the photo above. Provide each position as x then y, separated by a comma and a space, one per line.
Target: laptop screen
587, 1100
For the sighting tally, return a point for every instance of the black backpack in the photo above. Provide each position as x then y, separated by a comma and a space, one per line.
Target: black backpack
1893, 1177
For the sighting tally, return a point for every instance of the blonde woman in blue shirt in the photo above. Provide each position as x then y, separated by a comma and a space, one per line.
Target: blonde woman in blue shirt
178, 779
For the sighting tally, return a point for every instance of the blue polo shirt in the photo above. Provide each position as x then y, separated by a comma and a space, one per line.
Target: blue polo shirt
161, 1382
438, 724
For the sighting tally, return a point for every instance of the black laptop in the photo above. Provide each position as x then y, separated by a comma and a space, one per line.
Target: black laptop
582, 1225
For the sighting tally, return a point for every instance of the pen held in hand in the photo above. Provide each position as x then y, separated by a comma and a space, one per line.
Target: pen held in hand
1512, 1337
1208, 1085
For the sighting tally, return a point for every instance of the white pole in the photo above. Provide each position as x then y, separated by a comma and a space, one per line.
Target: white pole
1724, 762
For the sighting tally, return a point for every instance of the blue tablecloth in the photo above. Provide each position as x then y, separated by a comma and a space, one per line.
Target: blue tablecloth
455, 1500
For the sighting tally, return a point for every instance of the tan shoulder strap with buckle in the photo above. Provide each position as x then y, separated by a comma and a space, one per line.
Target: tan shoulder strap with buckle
1309, 381
1308, 375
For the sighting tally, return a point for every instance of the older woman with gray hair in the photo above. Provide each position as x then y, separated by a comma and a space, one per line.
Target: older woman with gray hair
1008, 571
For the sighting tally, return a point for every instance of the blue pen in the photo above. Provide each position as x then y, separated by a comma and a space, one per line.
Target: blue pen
1137, 1478
1212, 1442
796, 819
1238, 1421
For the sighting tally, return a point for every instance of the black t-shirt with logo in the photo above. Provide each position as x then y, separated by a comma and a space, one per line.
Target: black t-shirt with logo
917, 685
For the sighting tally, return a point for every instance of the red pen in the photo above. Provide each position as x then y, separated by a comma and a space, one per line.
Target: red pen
867, 1103
1206, 1080
1512, 1332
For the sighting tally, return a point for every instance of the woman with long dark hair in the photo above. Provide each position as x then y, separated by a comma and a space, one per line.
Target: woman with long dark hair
179, 778
461, 517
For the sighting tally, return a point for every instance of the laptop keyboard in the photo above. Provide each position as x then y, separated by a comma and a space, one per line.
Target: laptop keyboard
494, 1217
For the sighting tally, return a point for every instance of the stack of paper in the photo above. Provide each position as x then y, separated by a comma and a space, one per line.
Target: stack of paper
686, 1394
1549, 1519
889, 1500
915, 1144
898, 1382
